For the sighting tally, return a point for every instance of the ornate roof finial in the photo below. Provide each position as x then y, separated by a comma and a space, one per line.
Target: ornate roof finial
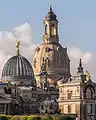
50, 5
17, 46
80, 68
80, 63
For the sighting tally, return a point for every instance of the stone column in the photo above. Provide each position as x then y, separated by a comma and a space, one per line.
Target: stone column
5, 107
8, 110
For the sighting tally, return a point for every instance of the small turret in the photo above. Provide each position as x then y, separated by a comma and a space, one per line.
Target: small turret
80, 68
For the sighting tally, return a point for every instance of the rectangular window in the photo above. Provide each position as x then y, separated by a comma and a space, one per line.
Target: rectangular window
69, 95
89, 108
69, 109
77, 108
2, 108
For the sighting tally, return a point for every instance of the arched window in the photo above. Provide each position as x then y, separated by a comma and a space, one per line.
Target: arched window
53, 30
46, 29
89, 93
69, 108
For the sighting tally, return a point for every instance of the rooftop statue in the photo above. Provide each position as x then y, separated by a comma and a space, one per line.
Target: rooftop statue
17, 46
88, 77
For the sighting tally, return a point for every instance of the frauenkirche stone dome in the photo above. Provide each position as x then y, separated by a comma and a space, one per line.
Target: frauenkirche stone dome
51, 53
18, 69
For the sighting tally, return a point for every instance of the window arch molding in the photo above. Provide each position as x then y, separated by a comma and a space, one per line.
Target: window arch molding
89, 92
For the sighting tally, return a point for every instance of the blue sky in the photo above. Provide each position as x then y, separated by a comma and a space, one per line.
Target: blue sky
77, 20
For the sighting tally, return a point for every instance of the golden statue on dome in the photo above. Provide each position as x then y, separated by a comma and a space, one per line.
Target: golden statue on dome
17, 46
88, 76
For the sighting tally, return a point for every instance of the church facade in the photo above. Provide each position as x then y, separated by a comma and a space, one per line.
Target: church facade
24, 87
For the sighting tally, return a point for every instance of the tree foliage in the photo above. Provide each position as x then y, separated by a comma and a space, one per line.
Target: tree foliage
37, 117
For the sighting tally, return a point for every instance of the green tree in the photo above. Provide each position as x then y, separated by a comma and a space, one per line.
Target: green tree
64, 118
3, 118
23, 117
15, 118
47, 117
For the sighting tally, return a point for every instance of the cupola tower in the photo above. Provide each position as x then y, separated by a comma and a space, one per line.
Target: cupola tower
51, 28
50, 55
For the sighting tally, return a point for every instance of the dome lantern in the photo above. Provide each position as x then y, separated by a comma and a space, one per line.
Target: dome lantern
51, 27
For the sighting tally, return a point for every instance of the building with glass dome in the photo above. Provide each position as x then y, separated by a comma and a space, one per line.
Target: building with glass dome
20, 93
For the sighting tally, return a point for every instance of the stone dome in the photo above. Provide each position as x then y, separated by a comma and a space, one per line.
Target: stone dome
57, 60
17, 68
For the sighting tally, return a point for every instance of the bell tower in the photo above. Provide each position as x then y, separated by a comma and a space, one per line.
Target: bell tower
51, 28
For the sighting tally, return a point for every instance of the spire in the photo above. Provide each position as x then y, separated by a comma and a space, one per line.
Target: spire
50, 5
80, 63
17, 47
80, 68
